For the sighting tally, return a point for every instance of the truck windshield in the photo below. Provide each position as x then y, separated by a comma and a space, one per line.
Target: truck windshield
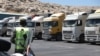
93, 22
52, 24
30, 24
10, 24
69, 23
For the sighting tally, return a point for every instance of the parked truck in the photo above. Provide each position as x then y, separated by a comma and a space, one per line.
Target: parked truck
3, 26
38, 26
11, 24
52, 27
73, 27
92, 28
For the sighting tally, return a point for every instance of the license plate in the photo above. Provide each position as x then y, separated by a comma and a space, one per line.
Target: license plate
91, 39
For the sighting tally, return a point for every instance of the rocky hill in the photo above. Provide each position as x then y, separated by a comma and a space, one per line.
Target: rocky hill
35, 6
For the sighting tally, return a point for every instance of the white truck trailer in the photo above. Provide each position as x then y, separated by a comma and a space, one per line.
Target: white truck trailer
73, 27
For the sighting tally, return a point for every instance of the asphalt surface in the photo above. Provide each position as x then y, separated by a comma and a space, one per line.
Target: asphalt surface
61, 48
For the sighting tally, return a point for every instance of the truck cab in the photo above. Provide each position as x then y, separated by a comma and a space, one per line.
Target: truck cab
52, 27
92, 28
10, 26
3, 26
38, 26
73, 27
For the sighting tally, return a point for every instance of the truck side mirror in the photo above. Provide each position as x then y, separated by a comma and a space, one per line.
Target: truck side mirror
79, 22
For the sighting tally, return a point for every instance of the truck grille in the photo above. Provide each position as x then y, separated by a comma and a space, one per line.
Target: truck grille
91, 32
91, 37
46, 31
67, 34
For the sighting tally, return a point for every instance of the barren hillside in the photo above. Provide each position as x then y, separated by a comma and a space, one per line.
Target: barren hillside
35, 6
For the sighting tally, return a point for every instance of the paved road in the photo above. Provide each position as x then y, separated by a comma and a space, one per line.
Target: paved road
53, 48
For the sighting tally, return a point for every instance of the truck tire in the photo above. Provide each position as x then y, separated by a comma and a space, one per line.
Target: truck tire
39, 36
81, 38
8, 36
69, 41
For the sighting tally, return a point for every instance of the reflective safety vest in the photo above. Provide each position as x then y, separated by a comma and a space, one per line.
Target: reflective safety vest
20, 40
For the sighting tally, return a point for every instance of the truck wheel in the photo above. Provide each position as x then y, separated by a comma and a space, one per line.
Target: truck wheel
47, 39
7, 35
93, 43
39, 36
3, 35
81, 38
69, 41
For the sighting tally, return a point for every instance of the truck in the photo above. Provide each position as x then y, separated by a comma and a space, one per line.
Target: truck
3, 26
38, 26
10, 26
52, 27
12, 23
37, 20
92, 28
73, 27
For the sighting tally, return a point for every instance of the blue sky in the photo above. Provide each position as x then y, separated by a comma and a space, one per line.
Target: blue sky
74, 2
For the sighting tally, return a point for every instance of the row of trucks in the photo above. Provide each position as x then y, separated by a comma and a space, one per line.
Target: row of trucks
4, 19
76, 27
82, 27
33, 22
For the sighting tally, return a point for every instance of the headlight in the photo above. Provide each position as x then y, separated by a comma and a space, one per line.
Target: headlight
49, 30
42, 31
